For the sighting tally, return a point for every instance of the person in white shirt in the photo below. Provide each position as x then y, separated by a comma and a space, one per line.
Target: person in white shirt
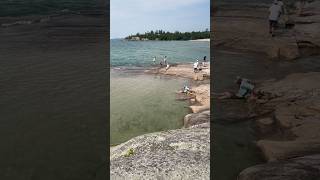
165, 60
154, 60
275, 12
195, 66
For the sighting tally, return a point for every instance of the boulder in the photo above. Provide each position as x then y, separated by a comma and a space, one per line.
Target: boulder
175, 154
196, 118
197, 109
281, 150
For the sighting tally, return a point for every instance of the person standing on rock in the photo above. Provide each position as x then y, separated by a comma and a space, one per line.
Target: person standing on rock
204, 61
275, 13
196, 66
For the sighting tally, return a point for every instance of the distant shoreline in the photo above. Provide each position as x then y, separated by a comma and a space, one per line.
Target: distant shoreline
202, 40
206, 40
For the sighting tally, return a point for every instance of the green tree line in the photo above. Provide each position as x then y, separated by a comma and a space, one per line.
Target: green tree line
167, 36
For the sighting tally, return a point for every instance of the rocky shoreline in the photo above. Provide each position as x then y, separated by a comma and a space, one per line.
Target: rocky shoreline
175, 154
286, 116
288, 125
245, 27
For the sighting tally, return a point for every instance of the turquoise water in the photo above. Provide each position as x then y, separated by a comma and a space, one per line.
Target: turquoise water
140, 53
144, 103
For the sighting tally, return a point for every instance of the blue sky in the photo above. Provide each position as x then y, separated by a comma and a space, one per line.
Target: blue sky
132, 16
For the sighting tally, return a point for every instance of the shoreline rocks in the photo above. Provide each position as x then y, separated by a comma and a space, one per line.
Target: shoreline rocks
292, 128
184, 71
250, 32
175, 154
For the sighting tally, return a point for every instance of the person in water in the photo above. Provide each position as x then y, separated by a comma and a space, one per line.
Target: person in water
275, 13
246, 90
154, 60
165, 60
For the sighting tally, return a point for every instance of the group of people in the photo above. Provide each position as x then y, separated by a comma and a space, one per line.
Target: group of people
275, 11
162, 62
197, 66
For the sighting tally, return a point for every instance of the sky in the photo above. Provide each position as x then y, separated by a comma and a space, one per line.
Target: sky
132, 16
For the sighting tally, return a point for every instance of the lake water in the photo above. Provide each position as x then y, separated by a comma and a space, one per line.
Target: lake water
143, 103
140, 53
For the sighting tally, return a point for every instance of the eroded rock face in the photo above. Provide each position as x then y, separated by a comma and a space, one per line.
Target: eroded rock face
175, 154
302, 168
202, 97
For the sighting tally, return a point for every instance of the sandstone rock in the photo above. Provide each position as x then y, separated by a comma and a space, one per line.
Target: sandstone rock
175, 154
196, 118
283, 49
297, 113
280, 150
265, 125
302, 168
197, 109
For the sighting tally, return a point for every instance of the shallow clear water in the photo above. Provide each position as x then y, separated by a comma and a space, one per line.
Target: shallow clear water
144, 103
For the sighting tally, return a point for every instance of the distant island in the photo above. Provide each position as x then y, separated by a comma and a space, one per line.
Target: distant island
160, 35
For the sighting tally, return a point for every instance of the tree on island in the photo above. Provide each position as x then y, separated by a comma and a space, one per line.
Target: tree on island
168, 36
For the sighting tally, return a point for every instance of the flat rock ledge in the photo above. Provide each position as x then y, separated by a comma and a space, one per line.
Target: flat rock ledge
175, 154
291, 141
302, 168
294, 103
183, 70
